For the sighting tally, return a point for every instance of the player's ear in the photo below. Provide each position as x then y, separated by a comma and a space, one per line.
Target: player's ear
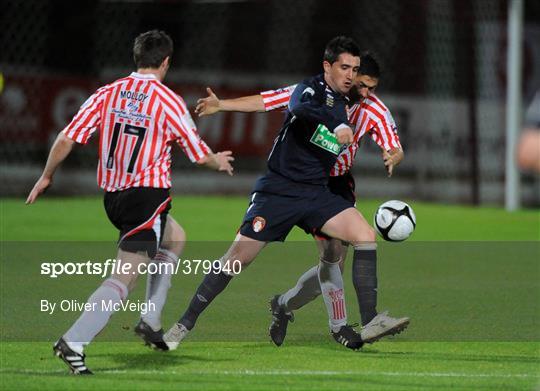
166, 63
326, 66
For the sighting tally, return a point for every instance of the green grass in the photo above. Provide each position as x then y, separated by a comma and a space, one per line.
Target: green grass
217, 218
469, 278
260, 366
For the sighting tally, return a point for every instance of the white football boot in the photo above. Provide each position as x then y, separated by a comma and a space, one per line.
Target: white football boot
381, 326
175, 335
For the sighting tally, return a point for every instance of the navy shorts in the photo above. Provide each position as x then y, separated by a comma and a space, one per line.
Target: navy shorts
343, 186
140, 214
275, 208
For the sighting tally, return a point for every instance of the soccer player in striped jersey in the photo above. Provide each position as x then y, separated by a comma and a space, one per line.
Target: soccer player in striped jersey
138, 119
369, 116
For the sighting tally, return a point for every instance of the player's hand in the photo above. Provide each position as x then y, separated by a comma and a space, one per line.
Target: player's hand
41, 185
391, 159
224, 160
344, 135
208, 105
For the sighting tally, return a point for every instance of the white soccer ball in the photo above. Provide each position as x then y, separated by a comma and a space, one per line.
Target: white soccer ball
394, 221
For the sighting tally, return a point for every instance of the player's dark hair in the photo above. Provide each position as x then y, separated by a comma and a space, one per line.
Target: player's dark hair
369, 65
151, 48
339, 45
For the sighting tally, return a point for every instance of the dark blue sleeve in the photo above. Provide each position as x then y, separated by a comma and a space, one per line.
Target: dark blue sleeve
308, 103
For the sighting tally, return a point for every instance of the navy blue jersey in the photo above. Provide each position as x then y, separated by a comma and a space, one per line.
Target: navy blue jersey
306, 148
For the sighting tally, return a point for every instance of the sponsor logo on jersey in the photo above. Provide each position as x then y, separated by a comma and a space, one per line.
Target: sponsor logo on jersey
325, 139
258, 224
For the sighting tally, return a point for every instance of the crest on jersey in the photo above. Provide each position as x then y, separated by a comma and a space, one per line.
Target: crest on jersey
329, 100
258, 224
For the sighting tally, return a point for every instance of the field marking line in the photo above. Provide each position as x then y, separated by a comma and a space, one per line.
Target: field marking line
290, 373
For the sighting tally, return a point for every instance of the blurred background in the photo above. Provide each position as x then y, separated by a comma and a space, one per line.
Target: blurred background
444, 78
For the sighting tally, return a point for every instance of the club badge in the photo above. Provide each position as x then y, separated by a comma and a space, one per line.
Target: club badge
258, 224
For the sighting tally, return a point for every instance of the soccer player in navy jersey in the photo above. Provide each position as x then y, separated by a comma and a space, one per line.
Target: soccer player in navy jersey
294, 191
369, 116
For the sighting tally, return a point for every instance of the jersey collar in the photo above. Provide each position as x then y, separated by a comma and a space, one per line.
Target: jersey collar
147, 76
329, 90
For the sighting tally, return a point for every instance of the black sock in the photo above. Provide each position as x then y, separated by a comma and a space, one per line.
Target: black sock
364, 276
212, 285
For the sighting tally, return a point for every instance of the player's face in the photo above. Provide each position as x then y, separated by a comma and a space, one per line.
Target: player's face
341, 74
365, 85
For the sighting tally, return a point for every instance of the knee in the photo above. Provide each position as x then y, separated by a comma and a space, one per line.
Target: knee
128, 279
175, 240
177, 233
365, 235
341, 264
332, 252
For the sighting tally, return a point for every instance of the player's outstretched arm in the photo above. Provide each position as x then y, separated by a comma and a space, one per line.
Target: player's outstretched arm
59, 151
392, 158
220, 161
212, 104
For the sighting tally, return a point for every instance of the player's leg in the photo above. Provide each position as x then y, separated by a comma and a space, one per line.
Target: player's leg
331, 287
323, 207
158, 284
352, 227
243, 249
333, 293
138, 214
307, 288
269, 217
98, 310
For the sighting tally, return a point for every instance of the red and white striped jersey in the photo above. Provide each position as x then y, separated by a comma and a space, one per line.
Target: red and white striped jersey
277, 99
371, 116
138, 118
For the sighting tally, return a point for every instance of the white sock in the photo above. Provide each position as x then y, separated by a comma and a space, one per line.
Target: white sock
157, 286
333, 293
306, 290
96, 316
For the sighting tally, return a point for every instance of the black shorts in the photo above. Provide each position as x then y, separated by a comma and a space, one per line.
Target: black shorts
140, 214
343, 186
272, 214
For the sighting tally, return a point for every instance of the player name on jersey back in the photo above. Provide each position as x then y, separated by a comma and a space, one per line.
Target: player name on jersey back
134, 95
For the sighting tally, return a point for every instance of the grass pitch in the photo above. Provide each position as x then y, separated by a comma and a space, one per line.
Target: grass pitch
463, 269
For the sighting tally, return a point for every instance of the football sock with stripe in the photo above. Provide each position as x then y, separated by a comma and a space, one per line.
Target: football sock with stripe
307, 288
157, 287
331, 283
364, 275
212, 285
100, 306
